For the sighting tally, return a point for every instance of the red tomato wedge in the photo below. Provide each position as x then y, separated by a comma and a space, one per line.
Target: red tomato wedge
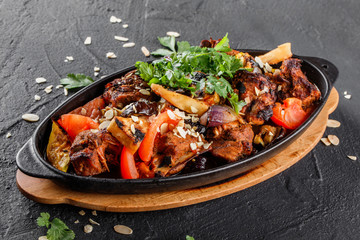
73, 124
127, 165
290, 115
147, 145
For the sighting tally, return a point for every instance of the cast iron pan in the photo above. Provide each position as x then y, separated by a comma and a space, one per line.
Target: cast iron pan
31, 158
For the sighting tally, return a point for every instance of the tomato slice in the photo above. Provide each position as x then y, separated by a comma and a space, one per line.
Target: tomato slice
127, 165
73, 124
290, 115
147, 145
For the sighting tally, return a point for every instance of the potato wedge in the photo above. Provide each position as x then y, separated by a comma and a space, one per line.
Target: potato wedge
185, 103
58, 148
129, 133
278, 54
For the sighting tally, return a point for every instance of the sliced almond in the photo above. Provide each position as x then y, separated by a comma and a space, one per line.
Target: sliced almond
111, 55
88, 228
257, 91
125, 25
109, 114
193, 109
119, 38
145, 51
144, 92
182, 132
82, 212
171, 114
173, 34
59, 86
93, 222
93, 212
122, 229
76, 221
40, 80
348, 96
129, 45
37, 97
114, 19
96, 74
48, 89
132, 128
354, 158
30, 117
96, 69
193, 146
69, 58
164, 128
326, 141
333, 123
87, 41
43, 238
334, 140
66, 92
135, 118
8, 135
104, 124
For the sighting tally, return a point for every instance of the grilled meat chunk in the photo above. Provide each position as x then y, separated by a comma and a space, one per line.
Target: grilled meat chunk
173, 152
259, 93
122, 91
91, 109
300, 86
91, 152
231, 141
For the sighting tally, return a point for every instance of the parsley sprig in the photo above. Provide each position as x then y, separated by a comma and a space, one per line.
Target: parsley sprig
57, 229
74, 81
177, 69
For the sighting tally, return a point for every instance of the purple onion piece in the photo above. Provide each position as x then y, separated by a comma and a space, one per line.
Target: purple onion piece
218, 115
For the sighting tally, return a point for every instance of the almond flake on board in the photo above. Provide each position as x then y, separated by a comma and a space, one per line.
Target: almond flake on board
173, 34
66, 92
40, 80
325, 141
77, 221
129, 45
82, 212
122, 39
69, 58
334, 139
87, 41
145, 51
59, 86
122, 229
348, 96
30, 117
48, 89
333, 123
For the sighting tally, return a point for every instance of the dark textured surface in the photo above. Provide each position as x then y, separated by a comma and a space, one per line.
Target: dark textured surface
318, 198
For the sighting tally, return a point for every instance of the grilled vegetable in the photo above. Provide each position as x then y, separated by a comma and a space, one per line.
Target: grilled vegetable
58, 148
290, 115
129, 133
185, 103
278, 54
73, 124
127, 165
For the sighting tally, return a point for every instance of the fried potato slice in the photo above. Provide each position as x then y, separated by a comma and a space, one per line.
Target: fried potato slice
278, 54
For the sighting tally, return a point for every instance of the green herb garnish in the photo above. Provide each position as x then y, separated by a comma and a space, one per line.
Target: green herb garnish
177, 69
189, 237
73, 81
58, 229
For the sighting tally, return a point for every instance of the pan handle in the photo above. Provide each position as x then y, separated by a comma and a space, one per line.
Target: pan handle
28, 163
327, 67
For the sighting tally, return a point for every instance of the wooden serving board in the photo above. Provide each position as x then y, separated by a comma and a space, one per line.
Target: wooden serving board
46, 191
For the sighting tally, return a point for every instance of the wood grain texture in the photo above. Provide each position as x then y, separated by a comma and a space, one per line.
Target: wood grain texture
46, 191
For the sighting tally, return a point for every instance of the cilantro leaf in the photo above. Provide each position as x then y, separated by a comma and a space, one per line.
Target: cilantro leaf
161, 52
189, 237
235, 103
146, 70
43, 220
183, 46
223, 45
58, 229
168, 42
73, 81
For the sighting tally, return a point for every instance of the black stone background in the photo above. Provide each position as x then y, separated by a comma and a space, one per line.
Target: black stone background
317, 198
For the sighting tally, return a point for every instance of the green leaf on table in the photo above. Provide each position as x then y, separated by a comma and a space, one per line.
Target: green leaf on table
168, 42
43, 220
189, 237
58, 229
73, 81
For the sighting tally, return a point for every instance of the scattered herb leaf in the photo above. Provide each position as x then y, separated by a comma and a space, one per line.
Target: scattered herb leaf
58, 229
73, 81
189, 237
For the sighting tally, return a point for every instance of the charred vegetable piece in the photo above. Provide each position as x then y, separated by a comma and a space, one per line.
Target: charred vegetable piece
58, 148
218, 115
73, 124
147, 146
185, 103
129, 133
290, 115
278, 54
127, 165
268, 134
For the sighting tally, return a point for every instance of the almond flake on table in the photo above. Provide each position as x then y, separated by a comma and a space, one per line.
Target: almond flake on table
354, 158
145, 51
333, 123
114, 19
69, 59
119, 38
37, 97
125, 25
82, 212
110, 55
173, 34
59, 86
48, 89
40, 80
43, 238
30, 117
122, 229
8, 135
96, 69
87, 41
88, 228
76, 221
325, 141
93, 222
334, 140
129, 45
96, 74
348, 96
93, 212
66, 92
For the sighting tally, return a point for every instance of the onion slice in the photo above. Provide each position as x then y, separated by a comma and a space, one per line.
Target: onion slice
218, 115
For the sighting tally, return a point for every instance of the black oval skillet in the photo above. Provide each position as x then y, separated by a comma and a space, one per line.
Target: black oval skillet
31, 157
